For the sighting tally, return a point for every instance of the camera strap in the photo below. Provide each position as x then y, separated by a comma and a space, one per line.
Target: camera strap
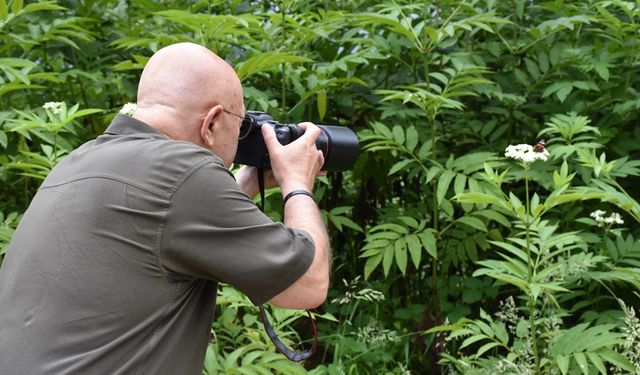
292, 355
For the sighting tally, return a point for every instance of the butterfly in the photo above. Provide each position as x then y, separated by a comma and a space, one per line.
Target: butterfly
539, 147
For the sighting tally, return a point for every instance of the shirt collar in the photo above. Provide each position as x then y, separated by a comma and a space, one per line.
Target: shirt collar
127, 125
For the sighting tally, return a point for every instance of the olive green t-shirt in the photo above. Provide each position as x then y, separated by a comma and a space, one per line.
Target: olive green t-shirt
114, 267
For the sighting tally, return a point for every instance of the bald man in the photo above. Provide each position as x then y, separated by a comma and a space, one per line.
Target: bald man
114, 267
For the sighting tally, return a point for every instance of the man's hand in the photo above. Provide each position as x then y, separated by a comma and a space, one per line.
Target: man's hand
247, 178
296, 165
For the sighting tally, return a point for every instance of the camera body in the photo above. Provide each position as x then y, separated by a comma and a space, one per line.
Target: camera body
338, 144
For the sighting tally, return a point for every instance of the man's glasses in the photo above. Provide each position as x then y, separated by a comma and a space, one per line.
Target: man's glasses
245, 127
231, 113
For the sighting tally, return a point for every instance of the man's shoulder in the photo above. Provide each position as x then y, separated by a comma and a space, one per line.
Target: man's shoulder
157, 165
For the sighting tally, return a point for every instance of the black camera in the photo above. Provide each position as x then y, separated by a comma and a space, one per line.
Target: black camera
338, 144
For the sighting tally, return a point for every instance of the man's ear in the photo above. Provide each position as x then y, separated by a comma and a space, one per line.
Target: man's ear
207, 125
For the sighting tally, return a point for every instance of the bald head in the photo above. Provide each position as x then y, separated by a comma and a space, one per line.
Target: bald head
180, 84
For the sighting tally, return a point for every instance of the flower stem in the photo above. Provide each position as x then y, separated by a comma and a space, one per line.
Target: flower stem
532, 303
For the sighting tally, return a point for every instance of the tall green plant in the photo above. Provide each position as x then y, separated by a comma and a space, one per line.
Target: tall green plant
546, 267
401, 74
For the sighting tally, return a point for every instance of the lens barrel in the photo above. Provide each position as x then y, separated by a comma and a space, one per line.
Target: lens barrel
339, 145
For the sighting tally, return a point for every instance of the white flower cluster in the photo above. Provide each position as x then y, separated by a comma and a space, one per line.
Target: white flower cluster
352, 293
631, 331
128, 109
614, 218
508, 314
54, 107
373, 335
507, 367
525, 153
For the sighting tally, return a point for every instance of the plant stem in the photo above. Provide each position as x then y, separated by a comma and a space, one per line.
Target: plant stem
336, 353
527, 223
434, 275
532, 302
283, 93
436, 224
55, 148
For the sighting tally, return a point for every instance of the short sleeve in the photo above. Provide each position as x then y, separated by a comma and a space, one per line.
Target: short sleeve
214, 231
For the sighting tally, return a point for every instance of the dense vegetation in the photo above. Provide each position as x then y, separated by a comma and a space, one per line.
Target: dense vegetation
448, 256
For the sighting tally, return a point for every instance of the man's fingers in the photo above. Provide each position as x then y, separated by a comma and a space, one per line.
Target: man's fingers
269, 136
310, 130
320, 159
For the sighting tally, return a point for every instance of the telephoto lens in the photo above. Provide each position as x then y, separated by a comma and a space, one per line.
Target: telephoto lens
338, 144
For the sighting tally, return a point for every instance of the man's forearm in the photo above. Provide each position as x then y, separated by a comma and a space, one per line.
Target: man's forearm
310, 290
302, 212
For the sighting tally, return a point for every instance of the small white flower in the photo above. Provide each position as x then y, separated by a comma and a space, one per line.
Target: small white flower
128, 109
525, 153
518, 151
614, 218
54, 107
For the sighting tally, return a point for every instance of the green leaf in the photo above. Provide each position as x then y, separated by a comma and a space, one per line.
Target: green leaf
399, 166
415, 249
433, 172
400, 248
561, 89
459, 183
412, 138
486, 347
3, 137
473, 222
387, 259
429, 242
4, 13
602, 71
391, 227
265, 61
515, 202
563, 363
440, 77
495, 216
501, 333
425, 150
512, 249
16, 6
371, 264
535, 291
322, 103
616, 359
44, 5
347, 222
581, 359
532, 68
597, 362
563, 92
471, 340
443, 184
478, 198
398, 134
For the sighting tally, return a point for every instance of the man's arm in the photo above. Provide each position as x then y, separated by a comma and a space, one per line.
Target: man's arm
295, 167
310, 290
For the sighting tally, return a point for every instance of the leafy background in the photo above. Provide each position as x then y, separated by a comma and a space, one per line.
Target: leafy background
448, 257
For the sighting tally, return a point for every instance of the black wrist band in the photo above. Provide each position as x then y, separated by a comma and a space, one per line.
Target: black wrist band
297, 192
